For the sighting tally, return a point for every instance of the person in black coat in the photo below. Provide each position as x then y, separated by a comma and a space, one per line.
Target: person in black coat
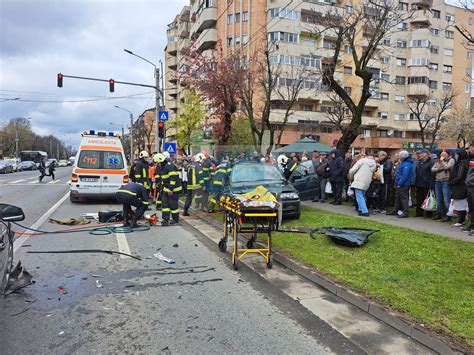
457, 183
387, 186
42, 169
51, 169
336, 176
424, 180
347, 167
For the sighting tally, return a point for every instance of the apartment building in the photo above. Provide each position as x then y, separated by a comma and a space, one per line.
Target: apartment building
424, 56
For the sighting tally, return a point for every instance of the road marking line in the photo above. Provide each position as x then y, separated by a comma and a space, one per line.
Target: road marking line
54, 181
122, 244
20, 241
34, 181
14, 182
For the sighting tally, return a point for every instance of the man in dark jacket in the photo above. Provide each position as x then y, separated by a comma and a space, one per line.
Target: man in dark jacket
470, 189
423, 180
135, 195
457, 183
291, 166
336, 176
403, 177
323, 175
42, 169
387, 186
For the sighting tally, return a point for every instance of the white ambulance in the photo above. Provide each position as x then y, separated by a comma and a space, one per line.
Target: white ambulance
100, 167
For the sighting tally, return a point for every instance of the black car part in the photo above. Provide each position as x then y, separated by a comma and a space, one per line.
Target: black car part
350, 237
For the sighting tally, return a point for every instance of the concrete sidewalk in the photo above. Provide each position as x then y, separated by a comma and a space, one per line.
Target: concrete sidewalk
415, 223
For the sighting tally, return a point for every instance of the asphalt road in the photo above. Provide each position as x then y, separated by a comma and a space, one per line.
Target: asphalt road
104, 303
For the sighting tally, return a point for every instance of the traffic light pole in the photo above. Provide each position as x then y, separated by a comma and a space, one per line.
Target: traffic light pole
157, 105
108, 81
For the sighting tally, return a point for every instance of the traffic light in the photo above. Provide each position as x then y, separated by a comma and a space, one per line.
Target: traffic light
111, 85
161, 129
60, 80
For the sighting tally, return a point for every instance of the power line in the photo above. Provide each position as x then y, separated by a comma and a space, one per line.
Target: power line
87, 100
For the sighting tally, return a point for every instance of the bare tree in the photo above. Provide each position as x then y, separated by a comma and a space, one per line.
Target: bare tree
339, 115
371, 21
431, 114
460, 128
266, 85
468, 5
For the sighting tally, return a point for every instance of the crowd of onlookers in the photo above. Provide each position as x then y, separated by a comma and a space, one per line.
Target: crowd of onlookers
439, 185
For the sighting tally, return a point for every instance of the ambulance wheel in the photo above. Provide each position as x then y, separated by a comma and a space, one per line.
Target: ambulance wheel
222, 246
73, 199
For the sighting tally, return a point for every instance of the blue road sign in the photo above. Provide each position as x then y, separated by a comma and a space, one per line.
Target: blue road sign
163, 116
170, 148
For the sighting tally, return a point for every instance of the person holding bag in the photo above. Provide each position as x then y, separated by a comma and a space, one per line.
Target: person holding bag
457, 183
361, 175
441, 169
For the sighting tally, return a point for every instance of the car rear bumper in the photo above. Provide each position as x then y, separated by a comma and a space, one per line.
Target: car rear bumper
92, 195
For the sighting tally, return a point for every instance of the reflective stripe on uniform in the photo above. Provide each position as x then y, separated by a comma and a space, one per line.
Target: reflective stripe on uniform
217, 182
293, 167
128, 192
166, 210
175, 211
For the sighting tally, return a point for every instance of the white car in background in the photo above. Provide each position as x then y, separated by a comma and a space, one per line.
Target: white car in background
62, 163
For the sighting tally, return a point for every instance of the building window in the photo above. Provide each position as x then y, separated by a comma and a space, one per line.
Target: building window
402, 26
446, 86
466, 105
419, 43
399, 116
449, 34
418, 62
470, 21
326, 109
436, 13
386, 41
401, 62
230, 19
399, 98
434, 31
434, 66
172, 39
384, 96
326, 129
349, 9
283, 37
383, 115
447, 69
401, 44
230, 41
237, 40
467, 88
284, 13
245, 16
417, 80
307, 108
448, 52
403, 6
245, 39
348, 70
431, 102
385, 77
385, 59
397, 134
329, 44
433, 84
400, 80
449, 17
434, 49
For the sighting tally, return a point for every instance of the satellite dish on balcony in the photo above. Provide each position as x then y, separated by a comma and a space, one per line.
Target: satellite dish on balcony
390, 132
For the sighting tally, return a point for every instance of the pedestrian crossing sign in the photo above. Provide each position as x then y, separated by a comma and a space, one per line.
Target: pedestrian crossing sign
163, 116
170, 148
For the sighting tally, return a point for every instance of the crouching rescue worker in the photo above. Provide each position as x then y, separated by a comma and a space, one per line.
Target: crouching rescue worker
171, 183
135, 195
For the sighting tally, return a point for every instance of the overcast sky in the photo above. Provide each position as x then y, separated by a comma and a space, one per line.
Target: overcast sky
40, 38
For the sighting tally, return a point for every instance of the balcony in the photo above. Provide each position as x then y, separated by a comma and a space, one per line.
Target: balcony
184, 15
183, 29
207, 40
421, 16
173, 92
424, 3
418, 90
207, 19
172, 48
183, 46
172, 62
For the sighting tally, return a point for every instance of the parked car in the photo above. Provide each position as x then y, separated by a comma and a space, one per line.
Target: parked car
305, 180
27, 165
5, 167
14, 162
246, 176
8, 213
62, 163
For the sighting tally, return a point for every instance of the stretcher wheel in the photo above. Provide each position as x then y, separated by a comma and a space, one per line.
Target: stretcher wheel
222, 246
235, 261
250, 244
270, 261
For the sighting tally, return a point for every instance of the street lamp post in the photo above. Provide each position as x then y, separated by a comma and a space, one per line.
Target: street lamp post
157, 96
131, 129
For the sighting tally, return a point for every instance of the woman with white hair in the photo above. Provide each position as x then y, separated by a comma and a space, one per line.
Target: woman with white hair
361, 175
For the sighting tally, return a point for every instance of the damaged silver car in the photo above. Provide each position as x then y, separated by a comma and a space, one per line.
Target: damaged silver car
11, 278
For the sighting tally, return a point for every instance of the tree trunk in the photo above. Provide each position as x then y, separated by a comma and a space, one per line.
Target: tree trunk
272, 141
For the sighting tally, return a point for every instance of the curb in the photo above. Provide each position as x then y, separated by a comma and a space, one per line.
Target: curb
409, 329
